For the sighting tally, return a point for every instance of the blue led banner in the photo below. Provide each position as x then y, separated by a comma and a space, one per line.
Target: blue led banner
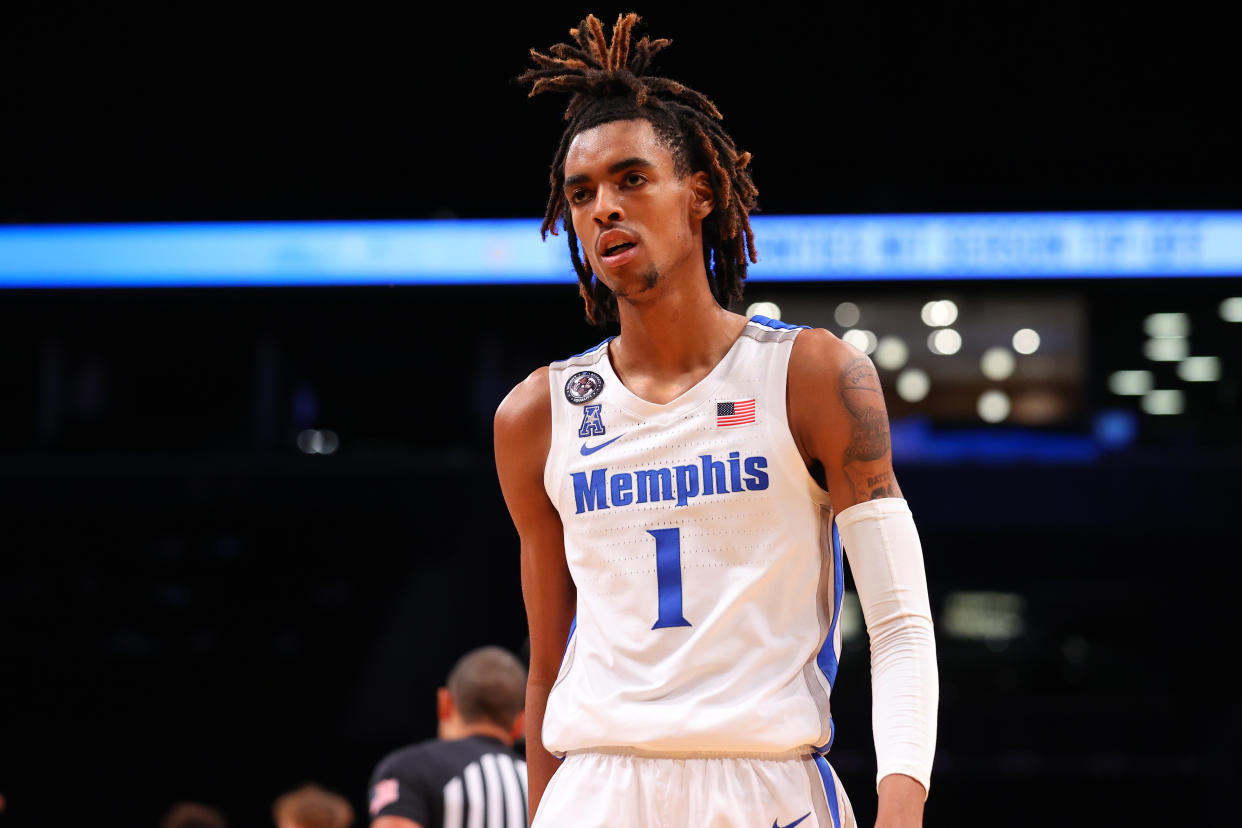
510, 251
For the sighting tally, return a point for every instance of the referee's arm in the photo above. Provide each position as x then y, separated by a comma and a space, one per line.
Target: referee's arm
523, 434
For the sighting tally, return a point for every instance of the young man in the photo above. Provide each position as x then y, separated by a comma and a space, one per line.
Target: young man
674, 490
469, 775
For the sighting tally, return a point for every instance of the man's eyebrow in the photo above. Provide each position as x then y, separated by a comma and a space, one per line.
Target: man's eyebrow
633, 161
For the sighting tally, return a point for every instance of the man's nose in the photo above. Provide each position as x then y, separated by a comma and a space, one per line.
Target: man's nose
607, 206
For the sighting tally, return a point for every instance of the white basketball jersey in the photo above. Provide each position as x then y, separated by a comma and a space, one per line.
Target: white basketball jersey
707, 569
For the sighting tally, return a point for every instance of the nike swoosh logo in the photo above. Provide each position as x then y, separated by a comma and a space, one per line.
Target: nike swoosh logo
588, 450
775, 824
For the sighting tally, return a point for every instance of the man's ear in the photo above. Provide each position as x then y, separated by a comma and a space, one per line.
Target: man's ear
444, 704
704, 200
519, 726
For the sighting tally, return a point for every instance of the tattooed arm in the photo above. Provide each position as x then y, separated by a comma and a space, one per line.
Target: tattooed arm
838, 419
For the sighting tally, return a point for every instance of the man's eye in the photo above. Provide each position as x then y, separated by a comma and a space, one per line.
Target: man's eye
634, 179
578, 196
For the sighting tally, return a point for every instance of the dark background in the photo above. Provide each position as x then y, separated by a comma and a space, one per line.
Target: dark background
192, 608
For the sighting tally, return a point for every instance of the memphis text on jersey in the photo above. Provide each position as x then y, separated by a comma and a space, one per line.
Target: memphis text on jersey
597, 489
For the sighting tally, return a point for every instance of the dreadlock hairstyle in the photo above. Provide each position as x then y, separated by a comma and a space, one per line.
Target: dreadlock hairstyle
609, 81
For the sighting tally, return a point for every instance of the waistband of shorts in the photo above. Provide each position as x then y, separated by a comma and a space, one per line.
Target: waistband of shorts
803, 752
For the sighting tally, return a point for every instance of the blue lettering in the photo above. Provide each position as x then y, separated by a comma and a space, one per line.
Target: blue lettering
655, 484
621, 485
713, 475
687, 483
735, 471
759, 480
590, 495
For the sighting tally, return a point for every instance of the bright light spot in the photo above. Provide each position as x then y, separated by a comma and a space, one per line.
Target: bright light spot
317, 441
862, 340
993, 406
913, 384
1164, 402
851, 616
1166, 350
1026, 341
769, 309
997, 364
847, 314
1167, 324
985, 616
1199, 369
1231, 309
939, 313
945, 342
1130, 383
891, 353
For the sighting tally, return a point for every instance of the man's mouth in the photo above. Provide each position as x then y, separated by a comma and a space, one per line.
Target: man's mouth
614, 249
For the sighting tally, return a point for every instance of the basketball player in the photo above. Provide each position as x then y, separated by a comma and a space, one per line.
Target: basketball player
682, 493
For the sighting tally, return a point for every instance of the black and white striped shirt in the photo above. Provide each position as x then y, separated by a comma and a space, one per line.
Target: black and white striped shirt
476, 782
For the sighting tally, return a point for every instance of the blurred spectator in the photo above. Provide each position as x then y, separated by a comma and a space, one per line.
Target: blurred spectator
193, 815
471, 769
310, 806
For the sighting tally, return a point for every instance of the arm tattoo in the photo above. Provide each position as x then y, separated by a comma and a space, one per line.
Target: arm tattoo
869, 435
860, 391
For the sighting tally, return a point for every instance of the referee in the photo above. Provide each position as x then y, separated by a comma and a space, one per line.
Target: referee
470, 776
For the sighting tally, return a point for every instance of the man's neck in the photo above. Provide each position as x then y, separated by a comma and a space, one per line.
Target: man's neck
467, 730
671, 341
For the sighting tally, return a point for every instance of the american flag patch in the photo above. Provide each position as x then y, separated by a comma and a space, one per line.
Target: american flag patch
735, 413
385, 793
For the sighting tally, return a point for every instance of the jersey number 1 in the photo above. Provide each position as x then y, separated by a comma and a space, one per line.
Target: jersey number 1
668, 577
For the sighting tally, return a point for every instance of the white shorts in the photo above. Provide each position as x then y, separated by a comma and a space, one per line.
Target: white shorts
614, 789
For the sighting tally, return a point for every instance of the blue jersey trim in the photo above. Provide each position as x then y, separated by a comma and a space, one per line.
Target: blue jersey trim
588, 350
776, 323
830, 788
573, 627
827, 656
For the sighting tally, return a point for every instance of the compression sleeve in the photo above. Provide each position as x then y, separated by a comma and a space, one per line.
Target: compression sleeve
886, 560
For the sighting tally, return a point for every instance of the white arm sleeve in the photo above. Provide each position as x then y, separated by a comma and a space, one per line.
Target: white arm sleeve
886, 560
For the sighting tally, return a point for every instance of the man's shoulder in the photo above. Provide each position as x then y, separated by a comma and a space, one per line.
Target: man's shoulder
525, 408
820, 347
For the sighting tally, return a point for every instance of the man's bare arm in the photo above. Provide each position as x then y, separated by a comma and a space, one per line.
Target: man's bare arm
838, 418
523, 427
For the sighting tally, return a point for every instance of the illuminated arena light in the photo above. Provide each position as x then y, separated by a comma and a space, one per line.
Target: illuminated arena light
913, 384
891, 353
1199, 369
847, 314
511, 252
997, 364
1130, 383
1026, 341
1167, 325
1164, 402
863, 340
944, 341
1171, 349
939, 313
986, 616
993, 406
769, 309
1231, 309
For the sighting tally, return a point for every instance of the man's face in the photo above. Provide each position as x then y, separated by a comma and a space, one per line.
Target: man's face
639, 222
